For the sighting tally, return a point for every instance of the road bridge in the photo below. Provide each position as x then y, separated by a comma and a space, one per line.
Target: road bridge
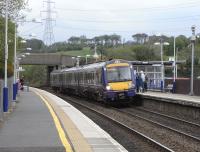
51, 60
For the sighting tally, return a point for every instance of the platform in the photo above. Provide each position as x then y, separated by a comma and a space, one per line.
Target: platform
174, 98
42, 122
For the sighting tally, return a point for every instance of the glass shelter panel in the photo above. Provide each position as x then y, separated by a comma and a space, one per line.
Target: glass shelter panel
153, 73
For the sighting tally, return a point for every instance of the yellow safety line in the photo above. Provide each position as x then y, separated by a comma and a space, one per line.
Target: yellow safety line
58, 125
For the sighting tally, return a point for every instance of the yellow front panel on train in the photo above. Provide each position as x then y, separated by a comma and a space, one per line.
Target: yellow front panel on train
120, 86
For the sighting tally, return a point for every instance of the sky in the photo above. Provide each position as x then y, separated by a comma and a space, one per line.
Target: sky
124, 17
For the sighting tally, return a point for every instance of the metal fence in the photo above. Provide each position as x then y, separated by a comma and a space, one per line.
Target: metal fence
183, 86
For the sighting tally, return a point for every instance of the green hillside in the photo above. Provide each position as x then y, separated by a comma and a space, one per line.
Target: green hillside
83, 52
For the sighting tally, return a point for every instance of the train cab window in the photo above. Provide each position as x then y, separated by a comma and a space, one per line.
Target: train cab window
117, 74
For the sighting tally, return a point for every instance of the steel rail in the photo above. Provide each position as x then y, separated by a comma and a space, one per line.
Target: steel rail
144, 137
170, 117
158, 124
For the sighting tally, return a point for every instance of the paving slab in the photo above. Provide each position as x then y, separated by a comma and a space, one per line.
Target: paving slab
29, 127
97, 138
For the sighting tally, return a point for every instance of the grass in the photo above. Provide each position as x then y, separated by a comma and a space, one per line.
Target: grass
120, 53
83, 52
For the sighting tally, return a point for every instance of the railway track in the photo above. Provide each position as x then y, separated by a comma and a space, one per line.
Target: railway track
170, 117
156, 145
161, 125
188, 127
150, 130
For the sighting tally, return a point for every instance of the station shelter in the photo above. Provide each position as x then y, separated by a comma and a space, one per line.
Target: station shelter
153, 70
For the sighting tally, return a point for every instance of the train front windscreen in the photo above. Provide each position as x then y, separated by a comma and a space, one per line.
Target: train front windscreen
118, 74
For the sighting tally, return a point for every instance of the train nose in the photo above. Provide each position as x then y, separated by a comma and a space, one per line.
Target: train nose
119, 86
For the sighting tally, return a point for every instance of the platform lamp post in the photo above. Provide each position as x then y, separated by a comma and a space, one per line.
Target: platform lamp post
86, 58
176, 62
174, 66
15, 62
73, 58
17, 70
161, 44
96, 56
15, 83
78, 61
19, 57
193, 39
5, 89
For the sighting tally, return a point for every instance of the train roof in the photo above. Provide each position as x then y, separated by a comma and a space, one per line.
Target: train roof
91, 66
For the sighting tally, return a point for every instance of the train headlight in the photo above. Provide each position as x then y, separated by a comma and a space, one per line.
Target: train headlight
108, 87
131, 85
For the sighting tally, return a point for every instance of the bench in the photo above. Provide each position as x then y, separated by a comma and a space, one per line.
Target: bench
169, 88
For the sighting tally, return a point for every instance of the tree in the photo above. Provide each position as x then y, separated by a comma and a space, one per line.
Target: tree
14, 7
143, 53
115, 39
34, 76
83, 39
74, 40
35, 44
106, 39
140, 38
96, 39
181, 43
10, 45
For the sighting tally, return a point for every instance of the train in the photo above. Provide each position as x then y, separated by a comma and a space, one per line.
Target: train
111, 81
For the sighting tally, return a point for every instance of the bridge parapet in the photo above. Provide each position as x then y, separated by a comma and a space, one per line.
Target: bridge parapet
47, 59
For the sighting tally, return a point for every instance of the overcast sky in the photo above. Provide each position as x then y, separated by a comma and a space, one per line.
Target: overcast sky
123, 17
